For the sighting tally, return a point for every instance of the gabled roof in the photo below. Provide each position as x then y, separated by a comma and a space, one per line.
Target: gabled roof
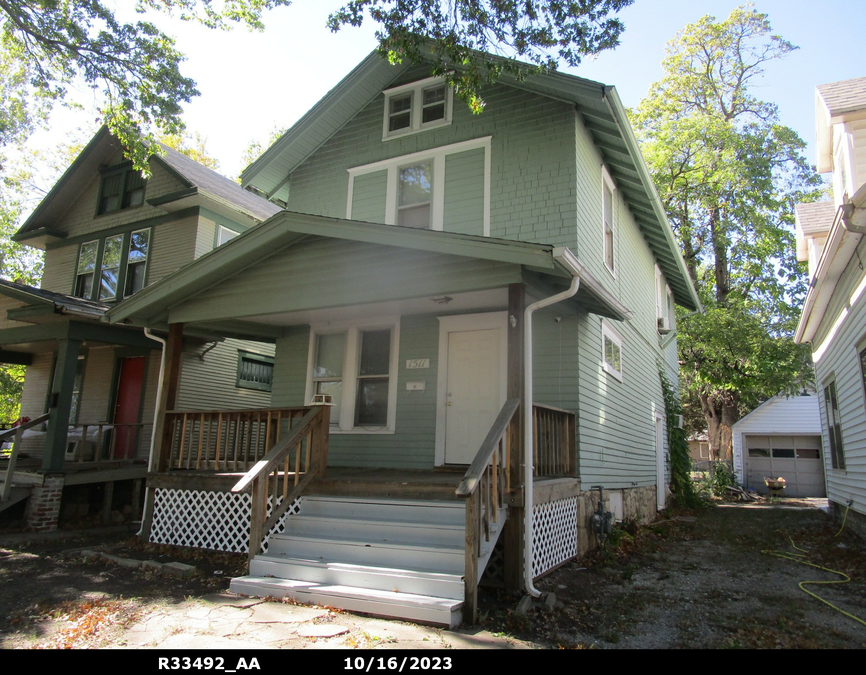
203, 186
598, 104
812, 220
151, 305
835, 103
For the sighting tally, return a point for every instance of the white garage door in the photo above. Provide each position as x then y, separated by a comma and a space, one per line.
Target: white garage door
797, 459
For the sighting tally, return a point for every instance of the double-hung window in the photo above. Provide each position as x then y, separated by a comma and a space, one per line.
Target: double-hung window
415, 107
611, 350
415, 201
355, 364
664, 304
121, 263
122, 187
608, 218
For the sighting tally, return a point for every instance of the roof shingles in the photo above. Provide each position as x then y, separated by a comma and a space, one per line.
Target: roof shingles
845, 96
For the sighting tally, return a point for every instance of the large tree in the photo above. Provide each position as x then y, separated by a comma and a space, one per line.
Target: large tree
729, 174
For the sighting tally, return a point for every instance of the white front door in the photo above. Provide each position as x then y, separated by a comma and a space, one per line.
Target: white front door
473, 390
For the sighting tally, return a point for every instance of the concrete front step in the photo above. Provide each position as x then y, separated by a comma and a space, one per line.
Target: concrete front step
418, 582
422, 608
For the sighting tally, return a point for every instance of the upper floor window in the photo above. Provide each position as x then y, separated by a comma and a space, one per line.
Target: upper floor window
664, 303
445, 188
121, 260
122, 188
416, 107
608, 222
224, 234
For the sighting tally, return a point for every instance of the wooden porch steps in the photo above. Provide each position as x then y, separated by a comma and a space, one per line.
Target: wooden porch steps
395, 558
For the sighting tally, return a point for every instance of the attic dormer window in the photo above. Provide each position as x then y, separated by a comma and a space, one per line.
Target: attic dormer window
122, 188
416, 107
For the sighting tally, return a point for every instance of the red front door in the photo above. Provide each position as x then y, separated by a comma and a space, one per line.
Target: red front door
128, 406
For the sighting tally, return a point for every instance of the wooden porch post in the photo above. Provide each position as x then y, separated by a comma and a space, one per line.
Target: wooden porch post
514, 530
167, 401
60, 406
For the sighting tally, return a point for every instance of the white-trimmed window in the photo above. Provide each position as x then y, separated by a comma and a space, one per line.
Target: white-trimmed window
664, 304
410, 189
356, 364
834, 426
224, 234
608, 218
611, 350
415, 107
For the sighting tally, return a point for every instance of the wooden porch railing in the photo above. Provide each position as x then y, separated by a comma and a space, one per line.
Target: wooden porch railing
104, 441
485, 487
227, 440
554, 450
16, 434
282, 475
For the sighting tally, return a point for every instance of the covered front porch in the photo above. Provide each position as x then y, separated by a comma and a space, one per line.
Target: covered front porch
414, 342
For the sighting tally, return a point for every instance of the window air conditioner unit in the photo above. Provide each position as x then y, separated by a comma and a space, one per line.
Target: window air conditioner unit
322, 399
664, 325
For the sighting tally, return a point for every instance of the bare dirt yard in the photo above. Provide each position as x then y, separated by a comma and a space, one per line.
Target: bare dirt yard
701, 579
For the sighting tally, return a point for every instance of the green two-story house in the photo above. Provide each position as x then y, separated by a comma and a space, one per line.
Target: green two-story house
478, 303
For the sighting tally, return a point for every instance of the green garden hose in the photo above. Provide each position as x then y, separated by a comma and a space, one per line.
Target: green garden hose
798, 557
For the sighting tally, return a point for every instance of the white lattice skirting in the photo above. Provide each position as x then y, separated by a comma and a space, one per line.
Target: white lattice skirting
219, 521
554, 534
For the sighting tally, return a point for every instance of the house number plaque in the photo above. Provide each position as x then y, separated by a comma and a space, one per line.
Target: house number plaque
412, 364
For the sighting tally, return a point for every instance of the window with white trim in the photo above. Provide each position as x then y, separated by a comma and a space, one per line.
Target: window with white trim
411, 190
611, 350
608, 218
355, 364
224, 235
415, 107
664, 304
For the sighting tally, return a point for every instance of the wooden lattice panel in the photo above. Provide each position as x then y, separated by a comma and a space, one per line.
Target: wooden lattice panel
219, 521
554, 534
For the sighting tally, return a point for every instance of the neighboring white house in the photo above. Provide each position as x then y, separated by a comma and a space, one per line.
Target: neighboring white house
781, 437
830, 237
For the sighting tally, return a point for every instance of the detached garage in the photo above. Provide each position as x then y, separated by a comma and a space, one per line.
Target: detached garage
781, 437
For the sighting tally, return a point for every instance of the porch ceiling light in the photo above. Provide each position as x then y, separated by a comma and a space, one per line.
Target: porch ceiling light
442, 300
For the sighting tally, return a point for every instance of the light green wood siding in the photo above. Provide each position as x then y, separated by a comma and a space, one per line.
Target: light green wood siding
412, 444
532, 162
337, 273
33, 398
205, 236
464, 192
59, 272
555, 358
368, 197
209, 380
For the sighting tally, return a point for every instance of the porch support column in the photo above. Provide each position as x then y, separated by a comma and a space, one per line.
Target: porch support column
514, 529
162, 432
60, 406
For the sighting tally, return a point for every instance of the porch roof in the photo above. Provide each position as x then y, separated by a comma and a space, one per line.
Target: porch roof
190, 294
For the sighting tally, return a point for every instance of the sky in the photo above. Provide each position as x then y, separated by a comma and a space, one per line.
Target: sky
251, 83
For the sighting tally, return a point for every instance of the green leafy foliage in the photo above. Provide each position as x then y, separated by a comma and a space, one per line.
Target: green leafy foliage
193, 146
729, 174
458, 35
135, 67
682, 487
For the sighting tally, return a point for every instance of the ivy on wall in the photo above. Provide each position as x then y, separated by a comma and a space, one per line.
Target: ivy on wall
682, 486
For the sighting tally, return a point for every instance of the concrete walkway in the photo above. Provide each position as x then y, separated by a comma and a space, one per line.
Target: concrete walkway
227, 621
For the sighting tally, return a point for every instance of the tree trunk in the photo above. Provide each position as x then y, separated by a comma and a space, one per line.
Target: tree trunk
720, 253
720, 418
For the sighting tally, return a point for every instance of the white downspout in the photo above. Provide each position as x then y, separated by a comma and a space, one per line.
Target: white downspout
150, 458
565, 257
